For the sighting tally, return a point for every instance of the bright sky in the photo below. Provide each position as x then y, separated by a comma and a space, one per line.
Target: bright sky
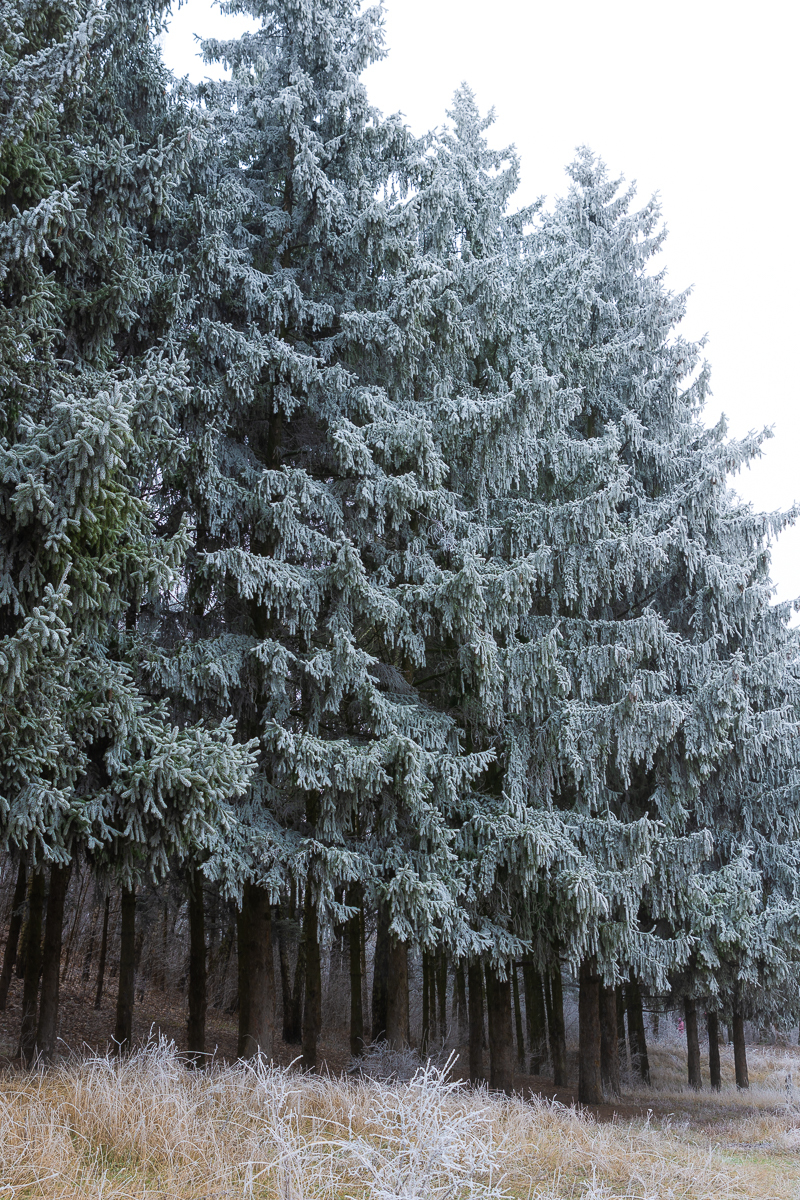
695, 99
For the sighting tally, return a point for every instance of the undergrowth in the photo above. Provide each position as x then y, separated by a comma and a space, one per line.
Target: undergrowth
148, 1127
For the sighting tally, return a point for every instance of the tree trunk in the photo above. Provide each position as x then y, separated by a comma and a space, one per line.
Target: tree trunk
101, 963
636, 1034
47, 1030
590, 1086
739, 1052
15, 925
692, 1043
198, 1001
256, 973
397, 1017
558, 1037
460, 990
312, 1008
475, 1003
518, 1018
427, 981
535, 1015
622, 1044
712, 1025
380, 977
32, 953
356, 899
609, 1041
441, 987
123, 1029
501, 1034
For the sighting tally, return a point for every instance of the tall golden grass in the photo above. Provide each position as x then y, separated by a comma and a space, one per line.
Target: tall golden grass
147, 1127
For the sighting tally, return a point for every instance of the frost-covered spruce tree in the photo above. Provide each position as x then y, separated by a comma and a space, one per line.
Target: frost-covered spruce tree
88, 154
316, 493
683, 586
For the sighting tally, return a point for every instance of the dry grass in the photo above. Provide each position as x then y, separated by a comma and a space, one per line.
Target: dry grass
148, 1127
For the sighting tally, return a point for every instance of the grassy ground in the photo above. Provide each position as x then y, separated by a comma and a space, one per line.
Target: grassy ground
148, 1127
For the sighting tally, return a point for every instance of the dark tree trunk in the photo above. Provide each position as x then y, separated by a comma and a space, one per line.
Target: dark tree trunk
535, 1015
47, 1030
692, 1043
441, 987
243, 918
460, 990
312, 1008
356, 900
256, 973
198, 1000
558, 1037
380, 978
426, 1001
518, 1018
15, 925
609, 1041
397, 1023
292, 987
636, 1034
101, 963
32, 953
123, 1029
475, 1003
622, 1044
501, 1034
712, 1026
739, 1051
590, 1086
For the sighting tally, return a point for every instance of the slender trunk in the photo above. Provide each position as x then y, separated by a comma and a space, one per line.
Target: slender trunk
76, 920
622, 1044
535, 1015
243, 918
518, 1018
101, 964
397, 1017
356, 899
501, 1035
198, 1000
441, 987
590, 1086
558, 1037
739, 1051
14, 927
312, 1008
636, 1034
32, 952
692, 1043
460, 991
123, 1029
51, 962
712, 1025
427, 981
380, 979
609, 1041
475, 1002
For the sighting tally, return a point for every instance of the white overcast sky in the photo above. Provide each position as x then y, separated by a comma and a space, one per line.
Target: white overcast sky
695, 99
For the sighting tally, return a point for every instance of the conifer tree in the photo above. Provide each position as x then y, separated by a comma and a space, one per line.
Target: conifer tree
88, 154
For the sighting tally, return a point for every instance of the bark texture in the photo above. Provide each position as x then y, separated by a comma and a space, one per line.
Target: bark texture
356, 900
692, 1043
123, 1029
535, 1016
590, 1086
712, 1027
740, 1052
558, 1037
501, 1034
475, 1006
312, 1006
397, 1018
380, 977
32, 955
198, 1001
47, 1029
609, 1041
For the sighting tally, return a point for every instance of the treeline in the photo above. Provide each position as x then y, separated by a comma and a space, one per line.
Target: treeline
363, 553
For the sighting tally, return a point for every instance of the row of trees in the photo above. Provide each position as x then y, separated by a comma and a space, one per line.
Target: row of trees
363, 548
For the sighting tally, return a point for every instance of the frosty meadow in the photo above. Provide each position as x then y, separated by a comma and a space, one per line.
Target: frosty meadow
385, 656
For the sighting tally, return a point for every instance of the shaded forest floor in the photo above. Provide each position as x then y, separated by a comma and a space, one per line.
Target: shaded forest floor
148, 1127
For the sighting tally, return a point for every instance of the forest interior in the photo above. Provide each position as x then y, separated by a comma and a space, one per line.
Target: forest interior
399, 739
